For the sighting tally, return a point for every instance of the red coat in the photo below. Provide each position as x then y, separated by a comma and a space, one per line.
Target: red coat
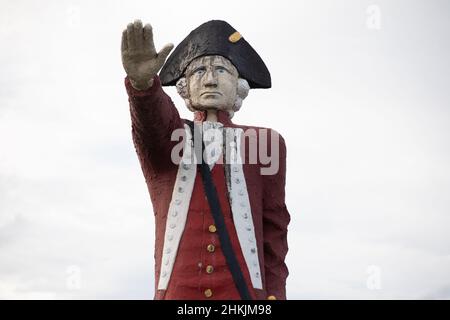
200, 270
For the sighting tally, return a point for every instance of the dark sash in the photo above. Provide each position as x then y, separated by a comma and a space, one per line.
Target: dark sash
214, 204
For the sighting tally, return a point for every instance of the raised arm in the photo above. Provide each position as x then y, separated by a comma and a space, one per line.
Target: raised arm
153, 114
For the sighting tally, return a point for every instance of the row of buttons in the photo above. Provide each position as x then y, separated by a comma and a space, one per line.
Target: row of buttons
209, 268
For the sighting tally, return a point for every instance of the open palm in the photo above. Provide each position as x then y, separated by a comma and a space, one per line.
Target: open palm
139, 57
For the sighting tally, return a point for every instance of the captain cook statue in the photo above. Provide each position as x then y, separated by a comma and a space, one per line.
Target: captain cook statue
221, 219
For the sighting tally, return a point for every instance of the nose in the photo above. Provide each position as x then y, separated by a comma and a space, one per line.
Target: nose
210, 78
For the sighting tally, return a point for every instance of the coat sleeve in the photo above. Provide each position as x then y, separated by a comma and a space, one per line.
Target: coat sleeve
153, 119
275, 222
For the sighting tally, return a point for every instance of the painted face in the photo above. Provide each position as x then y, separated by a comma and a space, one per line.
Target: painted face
212, 83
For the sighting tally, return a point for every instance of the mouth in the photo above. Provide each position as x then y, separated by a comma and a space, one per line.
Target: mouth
211, 92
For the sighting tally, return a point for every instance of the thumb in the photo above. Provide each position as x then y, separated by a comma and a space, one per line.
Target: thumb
164, 52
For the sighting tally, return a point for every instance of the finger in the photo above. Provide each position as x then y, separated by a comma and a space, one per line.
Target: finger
130, 37
148, 38
164, 52
124, 40
138, 34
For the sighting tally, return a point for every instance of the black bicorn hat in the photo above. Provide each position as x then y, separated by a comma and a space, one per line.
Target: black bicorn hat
216, 37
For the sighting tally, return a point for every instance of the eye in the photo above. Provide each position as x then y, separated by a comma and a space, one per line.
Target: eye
199, 71
221, 69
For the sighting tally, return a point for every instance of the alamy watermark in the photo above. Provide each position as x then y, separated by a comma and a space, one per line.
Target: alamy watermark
373, 281
373, 21
250, 146
73, 279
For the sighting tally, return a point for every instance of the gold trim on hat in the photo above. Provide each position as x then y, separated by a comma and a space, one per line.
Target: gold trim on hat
235, 37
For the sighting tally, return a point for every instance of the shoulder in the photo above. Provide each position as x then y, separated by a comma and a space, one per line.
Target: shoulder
271, 135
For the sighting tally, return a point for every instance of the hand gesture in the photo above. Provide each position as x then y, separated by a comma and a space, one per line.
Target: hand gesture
139, 57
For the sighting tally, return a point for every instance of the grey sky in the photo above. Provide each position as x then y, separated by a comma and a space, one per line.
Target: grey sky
364, 112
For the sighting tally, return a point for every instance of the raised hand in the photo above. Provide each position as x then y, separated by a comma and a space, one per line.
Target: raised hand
139, 57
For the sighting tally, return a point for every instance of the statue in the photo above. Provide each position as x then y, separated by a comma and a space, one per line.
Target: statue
220, 212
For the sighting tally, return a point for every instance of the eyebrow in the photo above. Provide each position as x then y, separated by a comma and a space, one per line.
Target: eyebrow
195, 68
217, 63
220, 65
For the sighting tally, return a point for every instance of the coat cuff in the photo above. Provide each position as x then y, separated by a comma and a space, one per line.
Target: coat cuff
132, 92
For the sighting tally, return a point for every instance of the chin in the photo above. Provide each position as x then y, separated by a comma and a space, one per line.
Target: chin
206, 107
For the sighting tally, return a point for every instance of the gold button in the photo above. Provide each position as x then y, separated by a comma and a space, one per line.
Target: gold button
212, 228
208, 293
210, 248
271, 298
209, 269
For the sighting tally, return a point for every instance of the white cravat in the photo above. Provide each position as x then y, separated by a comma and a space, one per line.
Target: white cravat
213, 137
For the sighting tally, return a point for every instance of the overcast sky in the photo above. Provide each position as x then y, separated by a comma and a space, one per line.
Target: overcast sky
360, 94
